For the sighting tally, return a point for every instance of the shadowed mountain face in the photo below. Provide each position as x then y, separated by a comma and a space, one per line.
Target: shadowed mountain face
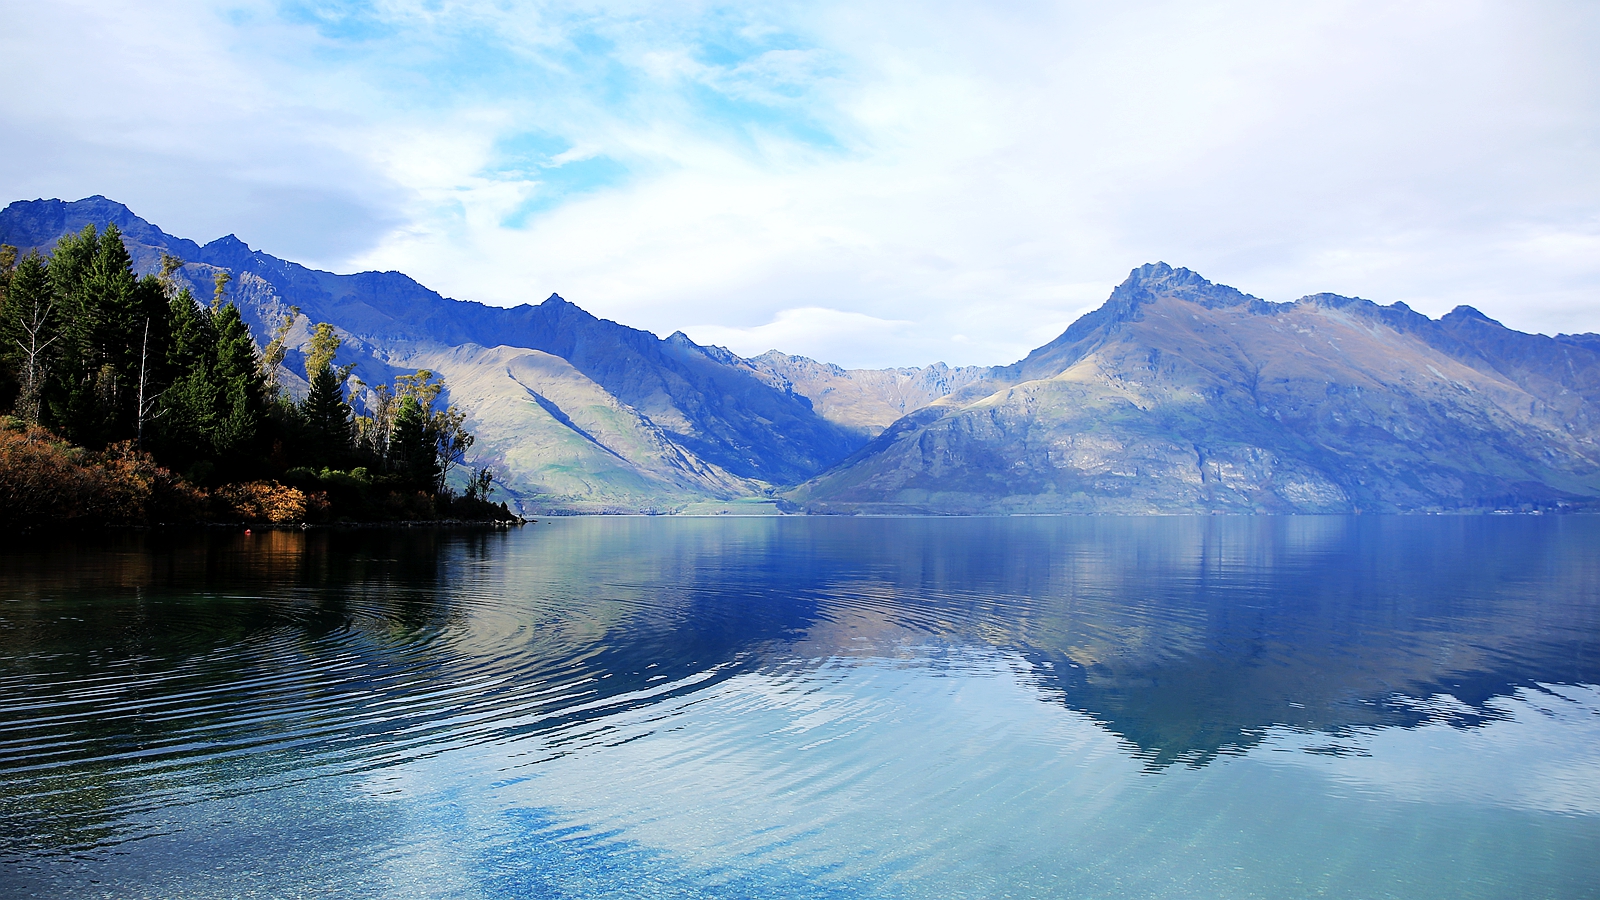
1183, 395
590, 416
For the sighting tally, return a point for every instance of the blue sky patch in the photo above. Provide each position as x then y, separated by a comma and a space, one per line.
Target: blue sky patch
555, 184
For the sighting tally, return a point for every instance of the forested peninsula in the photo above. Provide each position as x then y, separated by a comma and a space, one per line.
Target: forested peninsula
125, 400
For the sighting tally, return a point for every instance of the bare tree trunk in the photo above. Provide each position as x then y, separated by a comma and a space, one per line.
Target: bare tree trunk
144, 349
34, 364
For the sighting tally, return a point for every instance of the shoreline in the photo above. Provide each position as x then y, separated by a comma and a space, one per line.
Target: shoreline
111, 528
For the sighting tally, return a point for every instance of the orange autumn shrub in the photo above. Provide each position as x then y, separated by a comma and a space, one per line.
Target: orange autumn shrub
45, 482
267, 501
42, 480
137, 491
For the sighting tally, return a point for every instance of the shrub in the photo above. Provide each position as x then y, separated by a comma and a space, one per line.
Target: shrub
45, 481
268, 502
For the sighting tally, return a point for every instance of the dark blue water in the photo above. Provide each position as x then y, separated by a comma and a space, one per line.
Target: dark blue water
1073, 707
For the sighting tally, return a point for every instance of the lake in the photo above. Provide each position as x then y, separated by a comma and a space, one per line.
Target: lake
808, 707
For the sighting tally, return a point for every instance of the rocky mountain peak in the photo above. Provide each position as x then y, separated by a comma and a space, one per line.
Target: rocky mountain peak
38, 224
1468, 313
228, 252
1159, 279
229, 242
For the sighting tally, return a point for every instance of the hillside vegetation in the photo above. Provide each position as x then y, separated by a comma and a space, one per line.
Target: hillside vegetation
132, 402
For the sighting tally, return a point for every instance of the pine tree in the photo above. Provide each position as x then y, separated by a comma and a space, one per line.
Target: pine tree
186, 414
106, 312
8, 367
329, 429
242, 389
30, 327
413, 452
213, 414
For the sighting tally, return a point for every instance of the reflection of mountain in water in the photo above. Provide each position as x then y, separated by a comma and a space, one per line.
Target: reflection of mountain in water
224, 656
1193, 637
218, 658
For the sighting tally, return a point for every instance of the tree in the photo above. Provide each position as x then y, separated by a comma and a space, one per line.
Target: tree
98, 354
442, 431
451, 441
278, 348
325, 412
324, 345
372, 431
413, 449
481, 484
31, 328
213, 413
238, 376
104, 311
220, 291
8, 372
327, 418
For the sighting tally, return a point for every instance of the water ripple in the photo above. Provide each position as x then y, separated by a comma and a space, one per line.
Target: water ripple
159, 674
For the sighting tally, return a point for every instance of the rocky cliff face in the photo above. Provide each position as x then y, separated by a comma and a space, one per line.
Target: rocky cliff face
864, 400
1179, 395
576, 412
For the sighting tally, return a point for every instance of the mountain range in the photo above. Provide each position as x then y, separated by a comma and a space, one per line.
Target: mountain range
1176, 395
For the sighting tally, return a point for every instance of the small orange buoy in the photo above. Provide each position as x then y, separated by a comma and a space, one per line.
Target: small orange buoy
247, 531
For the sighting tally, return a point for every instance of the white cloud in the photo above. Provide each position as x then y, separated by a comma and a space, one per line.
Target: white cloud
152, 105
1539, 756
980, 171
846, 338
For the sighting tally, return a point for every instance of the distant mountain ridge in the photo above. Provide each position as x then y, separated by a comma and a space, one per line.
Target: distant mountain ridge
1180, 395
868, 400
590, 416
1176, 395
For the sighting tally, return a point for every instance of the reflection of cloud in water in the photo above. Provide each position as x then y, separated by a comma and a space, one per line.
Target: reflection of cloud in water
1540, 753
945, 775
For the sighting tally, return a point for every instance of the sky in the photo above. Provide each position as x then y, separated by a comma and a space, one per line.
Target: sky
866, 183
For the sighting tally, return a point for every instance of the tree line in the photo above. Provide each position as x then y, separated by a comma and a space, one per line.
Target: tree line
98, 355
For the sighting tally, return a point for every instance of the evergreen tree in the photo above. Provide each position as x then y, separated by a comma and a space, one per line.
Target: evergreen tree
8, 264
413, 450
213, 414
98, 354
186, 415
30, 326
108, 314
241, 386
8, 369
329, 429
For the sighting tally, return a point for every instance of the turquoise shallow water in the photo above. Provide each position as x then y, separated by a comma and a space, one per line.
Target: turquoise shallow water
1072, 707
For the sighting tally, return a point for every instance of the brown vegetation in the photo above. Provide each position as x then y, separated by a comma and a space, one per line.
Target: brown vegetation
46, 482
267, 501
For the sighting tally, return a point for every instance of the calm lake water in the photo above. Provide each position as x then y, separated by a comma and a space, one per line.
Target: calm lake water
1051, 707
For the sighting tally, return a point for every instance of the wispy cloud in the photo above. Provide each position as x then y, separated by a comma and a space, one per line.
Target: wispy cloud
839, 336
979, 173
